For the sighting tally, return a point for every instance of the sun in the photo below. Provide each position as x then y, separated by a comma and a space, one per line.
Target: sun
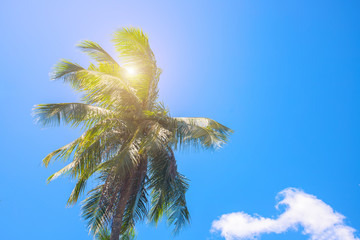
131, 71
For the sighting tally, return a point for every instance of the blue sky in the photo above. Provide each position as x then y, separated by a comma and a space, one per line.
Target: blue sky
283, 74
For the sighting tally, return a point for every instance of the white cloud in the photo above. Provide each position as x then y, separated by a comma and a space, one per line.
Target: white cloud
319, 220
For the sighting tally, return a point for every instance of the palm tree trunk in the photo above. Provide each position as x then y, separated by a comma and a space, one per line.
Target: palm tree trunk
129, 184
117, 220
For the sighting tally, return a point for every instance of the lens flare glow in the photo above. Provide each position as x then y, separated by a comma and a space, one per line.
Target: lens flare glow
131, 71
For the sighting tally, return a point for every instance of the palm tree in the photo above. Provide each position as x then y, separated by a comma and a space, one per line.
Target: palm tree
129, 138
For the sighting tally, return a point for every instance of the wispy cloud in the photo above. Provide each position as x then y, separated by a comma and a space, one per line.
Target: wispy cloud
319, 220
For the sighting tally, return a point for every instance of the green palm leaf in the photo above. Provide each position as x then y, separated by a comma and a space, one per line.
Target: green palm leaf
70, 113
95, 51
201, 132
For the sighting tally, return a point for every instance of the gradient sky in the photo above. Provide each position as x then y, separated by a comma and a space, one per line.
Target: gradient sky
285, 75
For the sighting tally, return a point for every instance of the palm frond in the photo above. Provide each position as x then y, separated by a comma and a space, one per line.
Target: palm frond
65, 70
156, 140
78, 189
129, 234
103, 85
74, 114
177, 212
98, 145
168, 191
153, 91
85, 147
133, 46
95, 51
103, 234
63, 171
135, 52
200, 132
63, 153
94, 211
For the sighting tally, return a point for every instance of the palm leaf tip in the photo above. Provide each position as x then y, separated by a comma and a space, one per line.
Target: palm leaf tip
201, 132
131, 34
47, 159
74, 114
95, 51
63, 69
133, 46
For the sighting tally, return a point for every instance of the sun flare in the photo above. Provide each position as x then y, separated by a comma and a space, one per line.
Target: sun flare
131, 71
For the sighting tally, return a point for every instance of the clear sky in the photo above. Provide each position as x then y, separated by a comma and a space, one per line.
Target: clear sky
285, 75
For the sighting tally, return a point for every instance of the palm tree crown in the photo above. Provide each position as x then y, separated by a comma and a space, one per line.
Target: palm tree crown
129, 138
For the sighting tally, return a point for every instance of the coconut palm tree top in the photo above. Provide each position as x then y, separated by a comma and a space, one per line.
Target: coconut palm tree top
129, 138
